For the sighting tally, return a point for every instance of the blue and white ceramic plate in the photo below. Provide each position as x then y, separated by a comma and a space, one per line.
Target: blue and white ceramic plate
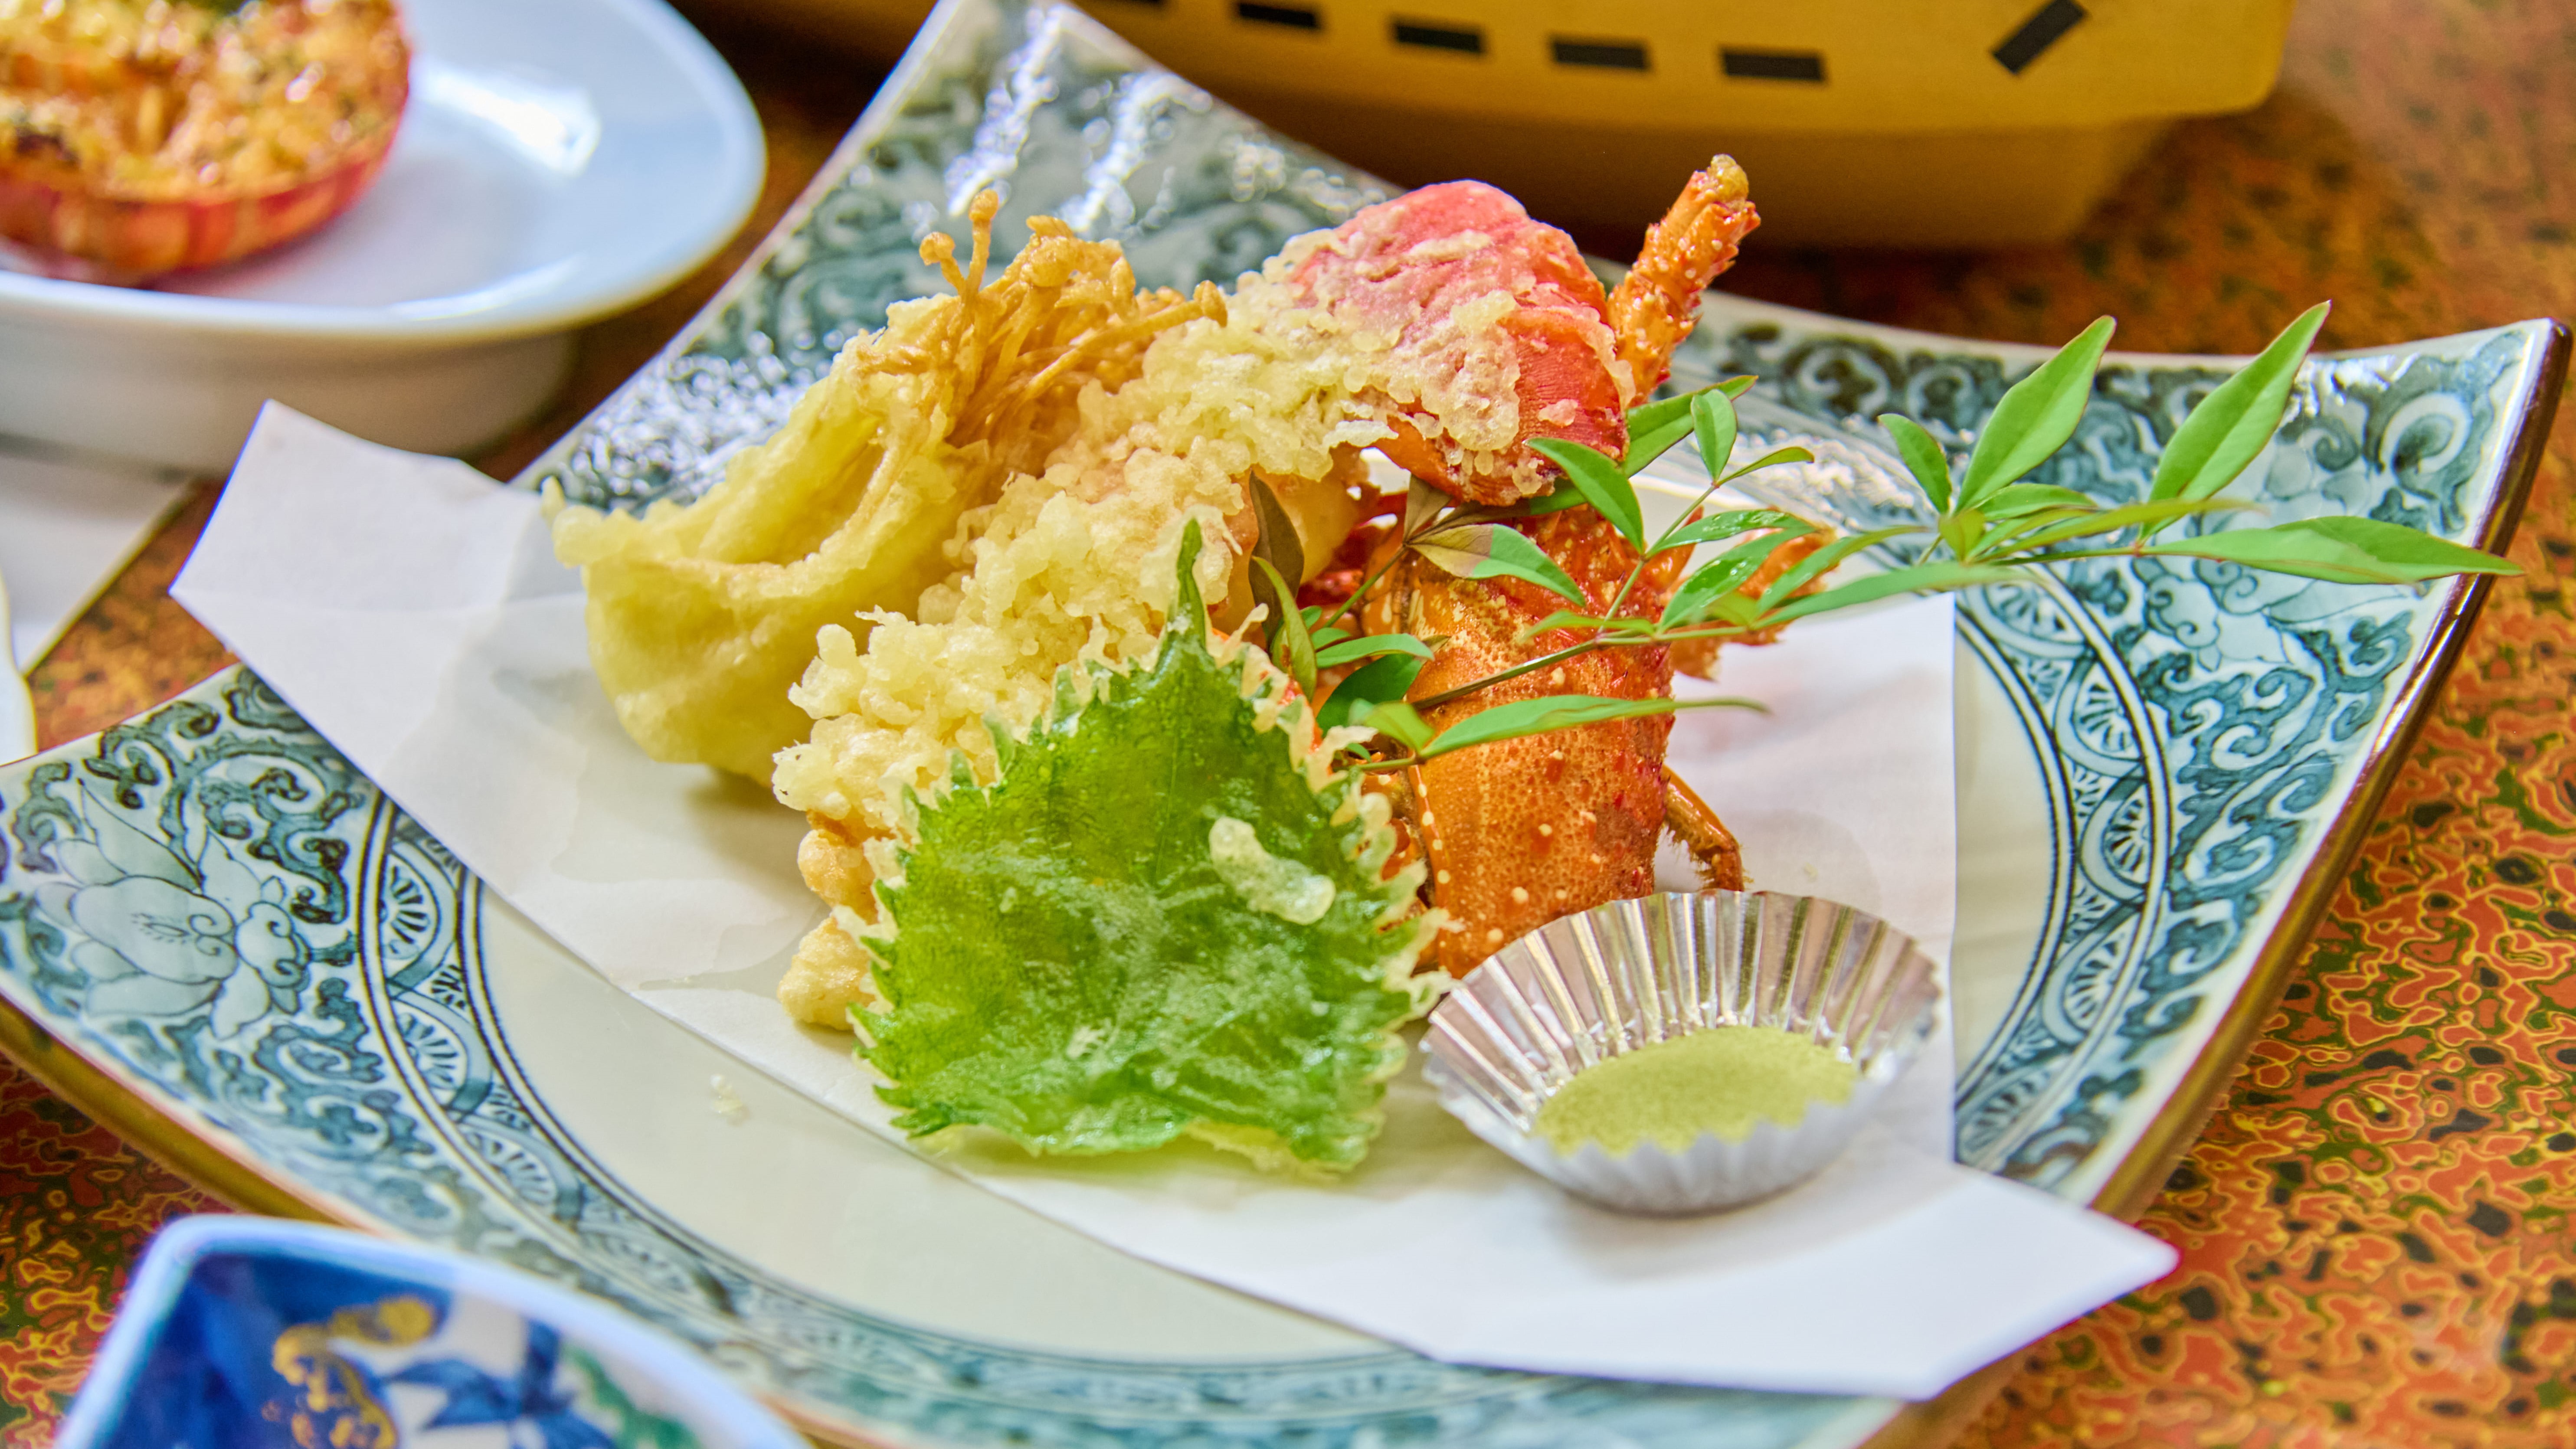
221, 938
239, 1333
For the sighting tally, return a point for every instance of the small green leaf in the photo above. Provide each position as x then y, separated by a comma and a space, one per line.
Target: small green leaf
1490, 550
1396, 720
1290, 646
1329, 634
1422, 503
1720, 577
1735, 609
1713, 422
1568, 619
1280, 560
1923, 457
2005, 540
2035, 416
1732, 522
1663, 412
2017, 499
2341, 550
2234, 423
1816, 564
1386, 679
2127, 515
1555, 712
1931, 578
1654, 427
1278, 543
1603, 485
1645, 447
1351, 651
1772, 459
1963, 530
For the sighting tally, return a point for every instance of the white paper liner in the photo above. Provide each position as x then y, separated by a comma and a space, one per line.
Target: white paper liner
472, 703
1632, 973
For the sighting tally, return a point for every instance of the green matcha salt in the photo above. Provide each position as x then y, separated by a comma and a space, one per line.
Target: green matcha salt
1718, 1081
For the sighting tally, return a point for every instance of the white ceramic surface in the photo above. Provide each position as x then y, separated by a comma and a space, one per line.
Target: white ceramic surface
560, 159
17, 711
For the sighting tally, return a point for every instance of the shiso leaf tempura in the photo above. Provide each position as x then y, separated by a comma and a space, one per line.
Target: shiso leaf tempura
1165, 916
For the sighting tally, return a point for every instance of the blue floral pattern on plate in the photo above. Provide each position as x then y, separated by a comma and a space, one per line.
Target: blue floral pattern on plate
388, 1084
2196, 723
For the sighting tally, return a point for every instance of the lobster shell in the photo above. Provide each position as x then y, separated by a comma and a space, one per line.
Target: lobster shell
138, 237
77, 224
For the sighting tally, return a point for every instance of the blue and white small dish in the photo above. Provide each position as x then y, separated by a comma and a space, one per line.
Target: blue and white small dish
248, 1333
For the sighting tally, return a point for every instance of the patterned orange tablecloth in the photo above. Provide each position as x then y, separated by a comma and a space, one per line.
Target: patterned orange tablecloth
2375, 1227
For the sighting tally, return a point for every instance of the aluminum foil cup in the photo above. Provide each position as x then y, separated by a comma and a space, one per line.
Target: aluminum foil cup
1631, 973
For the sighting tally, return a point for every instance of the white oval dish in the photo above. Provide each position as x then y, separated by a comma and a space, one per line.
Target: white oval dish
557, 162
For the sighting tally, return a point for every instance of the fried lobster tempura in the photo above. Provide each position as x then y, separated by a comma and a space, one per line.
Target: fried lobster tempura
1656, 304
1473, 329
995, 488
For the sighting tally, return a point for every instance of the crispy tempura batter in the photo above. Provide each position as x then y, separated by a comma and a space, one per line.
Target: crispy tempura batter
995, 487
1071, 559
1471, 330
702, 615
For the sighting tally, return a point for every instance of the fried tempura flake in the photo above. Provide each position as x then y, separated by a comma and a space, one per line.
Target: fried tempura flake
702, 615
990, 490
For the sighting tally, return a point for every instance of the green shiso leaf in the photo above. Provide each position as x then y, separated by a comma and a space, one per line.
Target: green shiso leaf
1085, 957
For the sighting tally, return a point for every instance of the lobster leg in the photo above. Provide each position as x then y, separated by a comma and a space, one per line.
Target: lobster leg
1654, 307
1711, 844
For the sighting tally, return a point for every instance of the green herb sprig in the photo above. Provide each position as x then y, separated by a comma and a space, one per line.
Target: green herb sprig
1988, 526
